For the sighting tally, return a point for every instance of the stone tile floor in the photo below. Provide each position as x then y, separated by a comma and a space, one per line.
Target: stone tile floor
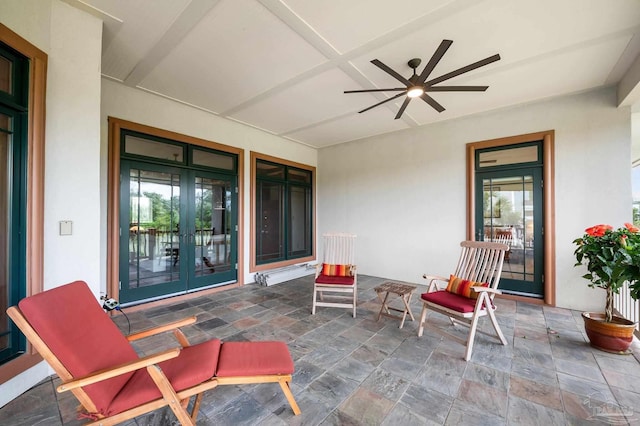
363, 372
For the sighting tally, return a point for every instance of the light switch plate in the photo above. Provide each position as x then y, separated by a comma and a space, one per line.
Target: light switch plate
65, 227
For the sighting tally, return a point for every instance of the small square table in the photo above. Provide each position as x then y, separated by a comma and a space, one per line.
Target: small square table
404, 291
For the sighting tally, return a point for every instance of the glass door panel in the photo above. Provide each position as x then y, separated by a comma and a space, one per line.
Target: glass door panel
154, 238
213, 238
6, 327
511, 214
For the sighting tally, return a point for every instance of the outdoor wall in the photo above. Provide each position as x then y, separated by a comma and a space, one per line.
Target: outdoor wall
141, 107
72, 41
404, 193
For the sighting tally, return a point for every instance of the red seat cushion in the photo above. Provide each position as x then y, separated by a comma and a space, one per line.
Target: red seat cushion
194, 365
81, 335
328, 279
254, 358
450, 300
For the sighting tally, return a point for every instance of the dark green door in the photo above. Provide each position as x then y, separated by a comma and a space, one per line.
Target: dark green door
178, 230
509, 209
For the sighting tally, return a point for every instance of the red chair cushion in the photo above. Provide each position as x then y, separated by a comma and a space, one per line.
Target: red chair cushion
328, 279
81, 335
254, 358
194, 365
450, 300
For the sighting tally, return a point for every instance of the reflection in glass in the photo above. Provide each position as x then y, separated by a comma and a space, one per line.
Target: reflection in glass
299, 221
154, 230
508, 218
5, 232
269, 221
212, 226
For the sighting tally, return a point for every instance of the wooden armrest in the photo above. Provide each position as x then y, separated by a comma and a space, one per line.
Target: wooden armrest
128, 367
432, 281
480, 289
161, 329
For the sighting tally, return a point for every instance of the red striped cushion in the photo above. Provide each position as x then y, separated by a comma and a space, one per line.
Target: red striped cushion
463, 287
336, 270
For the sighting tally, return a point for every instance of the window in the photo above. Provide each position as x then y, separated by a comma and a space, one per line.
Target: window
283, 212
22, 99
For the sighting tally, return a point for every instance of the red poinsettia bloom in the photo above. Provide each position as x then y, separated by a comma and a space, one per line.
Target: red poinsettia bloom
631, 228
598, 230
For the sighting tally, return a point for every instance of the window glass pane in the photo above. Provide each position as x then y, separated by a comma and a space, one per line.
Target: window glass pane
298, 175
299, 221
212, 159
5, 232
527, 154
154, 231
269, 222
269, 170
150, 148
5, 123
5, 75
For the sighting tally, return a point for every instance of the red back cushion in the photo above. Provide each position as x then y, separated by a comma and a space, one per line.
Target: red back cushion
81, 335
463, 287
336, 270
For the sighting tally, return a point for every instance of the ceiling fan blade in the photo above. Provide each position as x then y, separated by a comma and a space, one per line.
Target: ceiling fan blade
457, 88
395, 89
428, 99
403, 107
438, 54
380, 103
485, 61
391, 72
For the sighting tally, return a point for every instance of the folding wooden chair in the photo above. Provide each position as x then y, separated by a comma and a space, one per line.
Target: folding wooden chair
97, 363
469, 291
336, 275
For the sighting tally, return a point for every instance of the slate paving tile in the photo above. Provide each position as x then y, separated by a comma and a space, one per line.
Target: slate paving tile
331, 388
366, 407
401, 415
487, 376
386, 384
522, 412
463, 415
427, 403
532, 391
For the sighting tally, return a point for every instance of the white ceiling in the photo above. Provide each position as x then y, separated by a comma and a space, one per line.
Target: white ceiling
282, 65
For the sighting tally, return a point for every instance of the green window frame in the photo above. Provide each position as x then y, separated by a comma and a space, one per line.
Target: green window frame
283, 212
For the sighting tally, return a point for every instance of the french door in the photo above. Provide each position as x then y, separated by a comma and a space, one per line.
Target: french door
178, 230
509, 209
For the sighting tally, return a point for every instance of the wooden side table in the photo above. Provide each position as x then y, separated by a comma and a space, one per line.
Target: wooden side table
404, 291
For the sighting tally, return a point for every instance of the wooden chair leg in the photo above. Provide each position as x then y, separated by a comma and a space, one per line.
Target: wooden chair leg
496, 327
170, 396
196, 406
423, 316
287, 393
472, 335
313, 305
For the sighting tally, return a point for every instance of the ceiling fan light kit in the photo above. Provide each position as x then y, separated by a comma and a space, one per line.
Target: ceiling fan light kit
417, 86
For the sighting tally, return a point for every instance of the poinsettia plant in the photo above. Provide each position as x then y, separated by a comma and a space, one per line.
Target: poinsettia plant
613, 258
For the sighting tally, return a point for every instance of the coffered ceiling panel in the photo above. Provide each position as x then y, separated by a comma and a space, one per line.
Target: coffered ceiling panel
355, 126
313, 100
360, 21
234, 53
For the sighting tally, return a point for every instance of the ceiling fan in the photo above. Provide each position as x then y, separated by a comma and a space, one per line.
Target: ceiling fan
418, 86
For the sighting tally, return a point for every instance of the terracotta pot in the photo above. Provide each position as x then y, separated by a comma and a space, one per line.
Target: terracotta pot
615, 336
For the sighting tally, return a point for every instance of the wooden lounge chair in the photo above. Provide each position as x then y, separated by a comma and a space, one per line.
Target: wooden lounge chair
336, 275
97, 363
469, 291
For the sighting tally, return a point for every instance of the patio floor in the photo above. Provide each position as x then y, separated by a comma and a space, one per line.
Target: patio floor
362, 372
